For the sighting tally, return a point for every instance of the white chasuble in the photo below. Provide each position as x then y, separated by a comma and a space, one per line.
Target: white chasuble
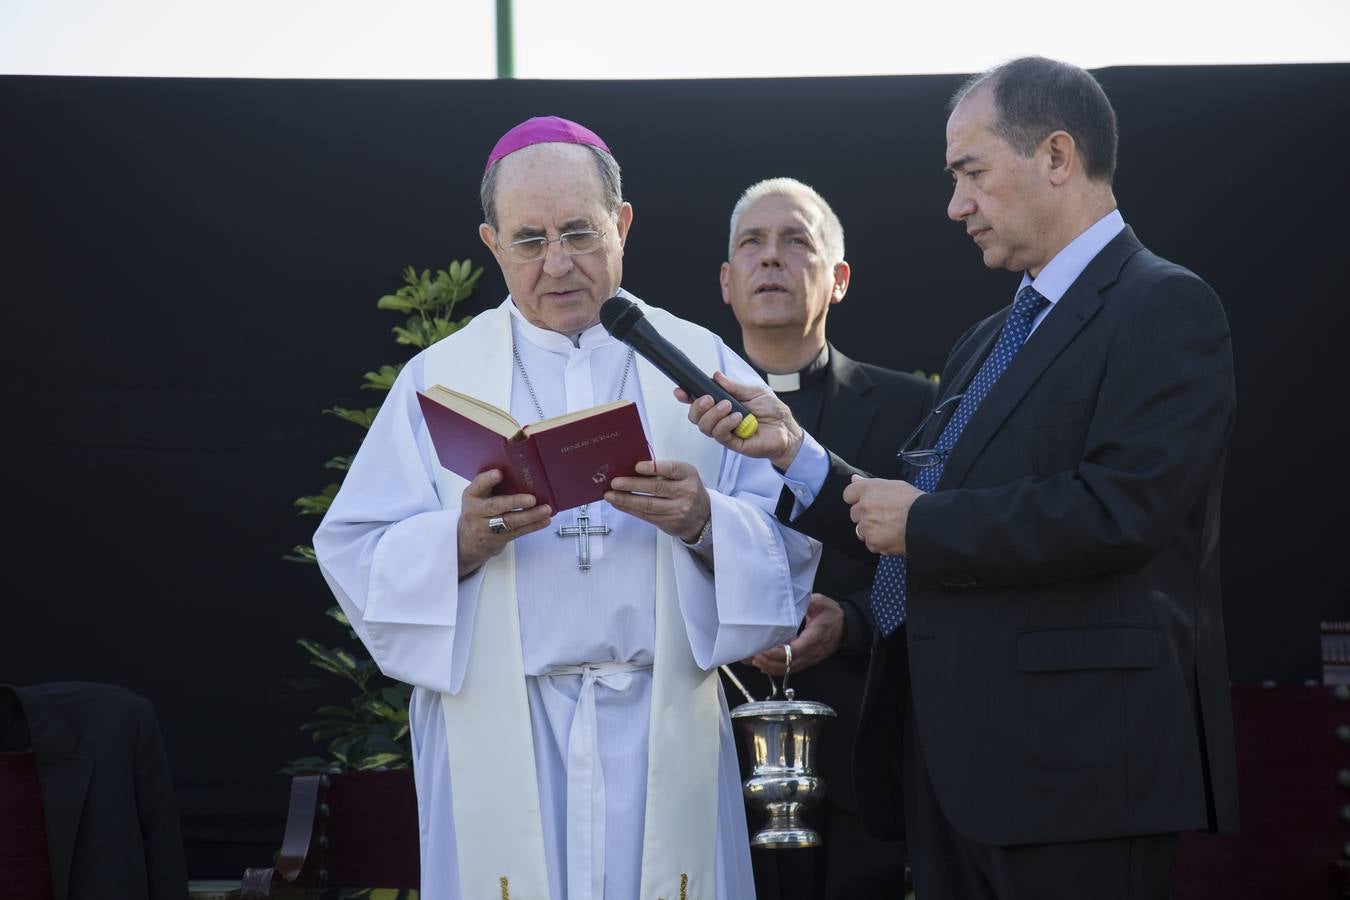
570, 736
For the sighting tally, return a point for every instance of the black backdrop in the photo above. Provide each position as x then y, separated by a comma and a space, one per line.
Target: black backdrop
190, 270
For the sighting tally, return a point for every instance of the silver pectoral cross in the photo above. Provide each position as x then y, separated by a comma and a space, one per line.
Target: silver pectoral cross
582, 531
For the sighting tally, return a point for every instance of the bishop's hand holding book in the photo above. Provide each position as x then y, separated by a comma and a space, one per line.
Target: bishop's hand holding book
563, 461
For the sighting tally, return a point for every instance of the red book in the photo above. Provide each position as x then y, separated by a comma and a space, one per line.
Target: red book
564, 461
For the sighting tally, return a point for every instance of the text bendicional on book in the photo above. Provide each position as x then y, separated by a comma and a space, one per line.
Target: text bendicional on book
588, 442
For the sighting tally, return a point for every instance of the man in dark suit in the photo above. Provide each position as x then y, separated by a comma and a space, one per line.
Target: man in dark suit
104, 789
1049, 683
785, 269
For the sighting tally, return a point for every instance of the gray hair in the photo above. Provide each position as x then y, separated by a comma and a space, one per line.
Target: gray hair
831, 231
606, 166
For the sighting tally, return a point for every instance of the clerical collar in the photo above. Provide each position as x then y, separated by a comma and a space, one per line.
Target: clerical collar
795, 381
591, 338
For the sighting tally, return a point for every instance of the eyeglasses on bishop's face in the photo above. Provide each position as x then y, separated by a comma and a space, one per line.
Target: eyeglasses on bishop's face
574, 243
922, 459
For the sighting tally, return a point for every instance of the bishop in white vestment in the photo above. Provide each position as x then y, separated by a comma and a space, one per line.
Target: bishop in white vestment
570, 737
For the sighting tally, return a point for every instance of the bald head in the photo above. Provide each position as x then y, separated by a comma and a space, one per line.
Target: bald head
541, 193
605, 168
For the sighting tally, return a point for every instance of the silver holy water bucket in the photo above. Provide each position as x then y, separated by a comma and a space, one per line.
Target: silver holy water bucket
781, 734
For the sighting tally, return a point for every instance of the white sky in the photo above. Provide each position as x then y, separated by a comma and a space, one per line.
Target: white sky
649, 39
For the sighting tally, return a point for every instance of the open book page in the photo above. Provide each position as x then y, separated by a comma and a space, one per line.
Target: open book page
485, 414
546, 424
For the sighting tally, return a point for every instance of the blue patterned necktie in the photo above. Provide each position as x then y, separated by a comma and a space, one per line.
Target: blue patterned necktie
889, 587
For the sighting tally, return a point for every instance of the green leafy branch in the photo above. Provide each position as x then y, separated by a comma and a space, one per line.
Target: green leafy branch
431, 300
371, 732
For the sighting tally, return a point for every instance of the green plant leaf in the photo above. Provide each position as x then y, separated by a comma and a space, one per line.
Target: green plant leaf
340, 712
338, 661
466, 283
440, 329
380, 709
362, 417
380, 743
397, 695
302, 553
399, 302
367, 763
317, 504
382, 380
414, 336
322, 732
373, 730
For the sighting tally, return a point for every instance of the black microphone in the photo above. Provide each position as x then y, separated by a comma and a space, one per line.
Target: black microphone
622, 318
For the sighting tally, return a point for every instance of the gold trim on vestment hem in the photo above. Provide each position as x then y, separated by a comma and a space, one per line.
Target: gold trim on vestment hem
684, 887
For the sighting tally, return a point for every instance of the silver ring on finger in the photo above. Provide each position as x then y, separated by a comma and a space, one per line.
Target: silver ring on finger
857, 529
498, 525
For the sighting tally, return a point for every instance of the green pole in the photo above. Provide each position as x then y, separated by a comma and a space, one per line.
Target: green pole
505, 51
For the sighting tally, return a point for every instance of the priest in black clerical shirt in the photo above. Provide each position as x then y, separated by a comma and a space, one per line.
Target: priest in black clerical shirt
785, 269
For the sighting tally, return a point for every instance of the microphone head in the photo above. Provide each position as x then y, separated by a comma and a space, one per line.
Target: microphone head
619, 315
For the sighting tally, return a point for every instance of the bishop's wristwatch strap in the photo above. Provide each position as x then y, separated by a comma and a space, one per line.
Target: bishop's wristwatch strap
704, 539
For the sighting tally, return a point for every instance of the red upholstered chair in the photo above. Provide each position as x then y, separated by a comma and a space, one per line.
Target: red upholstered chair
353, 830
1293, 755
27, 873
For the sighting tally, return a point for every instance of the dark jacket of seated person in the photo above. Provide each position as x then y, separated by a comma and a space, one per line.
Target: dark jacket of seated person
106, 797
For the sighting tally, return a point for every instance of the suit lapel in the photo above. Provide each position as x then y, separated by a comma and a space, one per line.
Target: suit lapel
64, 774
1073, 311
847, 414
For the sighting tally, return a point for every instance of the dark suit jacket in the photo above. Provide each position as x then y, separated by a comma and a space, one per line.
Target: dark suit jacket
867, 413
1065, 646
107, 797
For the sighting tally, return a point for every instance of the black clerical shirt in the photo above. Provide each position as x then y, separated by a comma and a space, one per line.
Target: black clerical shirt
807, 398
